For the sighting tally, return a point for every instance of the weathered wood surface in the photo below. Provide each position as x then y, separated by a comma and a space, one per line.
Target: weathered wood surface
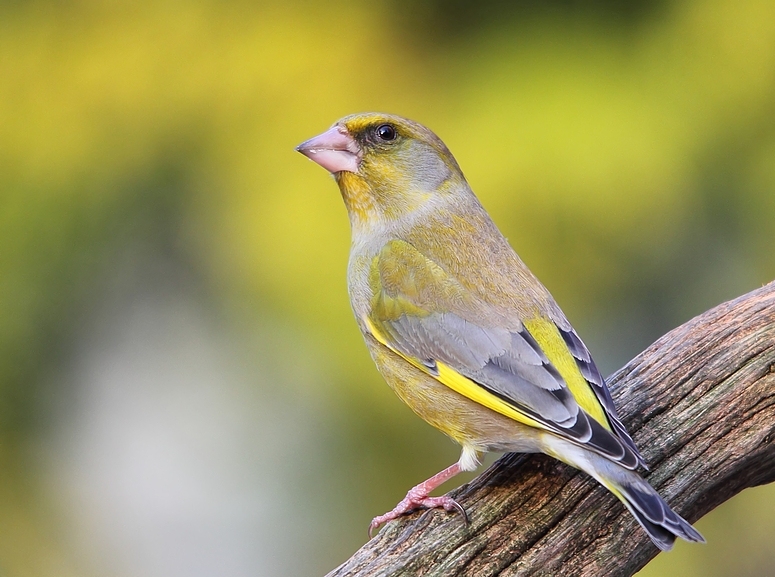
700, 404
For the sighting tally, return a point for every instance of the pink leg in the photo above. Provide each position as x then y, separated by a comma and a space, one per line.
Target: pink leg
417, 497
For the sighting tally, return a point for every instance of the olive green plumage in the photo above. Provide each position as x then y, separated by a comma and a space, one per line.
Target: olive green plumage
457, 324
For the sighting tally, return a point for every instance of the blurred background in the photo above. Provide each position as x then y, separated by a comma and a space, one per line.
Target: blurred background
183, 390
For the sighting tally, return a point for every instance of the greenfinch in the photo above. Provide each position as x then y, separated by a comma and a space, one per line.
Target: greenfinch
461, 329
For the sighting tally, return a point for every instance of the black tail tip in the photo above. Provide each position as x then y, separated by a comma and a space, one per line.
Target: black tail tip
664, 535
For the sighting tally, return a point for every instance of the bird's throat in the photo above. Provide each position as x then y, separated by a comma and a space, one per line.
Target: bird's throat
358, 198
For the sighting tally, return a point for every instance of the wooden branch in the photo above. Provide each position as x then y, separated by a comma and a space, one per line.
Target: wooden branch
700, 403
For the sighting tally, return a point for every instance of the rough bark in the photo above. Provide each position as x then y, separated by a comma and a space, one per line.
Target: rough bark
700, 404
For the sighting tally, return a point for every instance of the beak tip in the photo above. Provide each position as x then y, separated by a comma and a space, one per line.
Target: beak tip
335, 150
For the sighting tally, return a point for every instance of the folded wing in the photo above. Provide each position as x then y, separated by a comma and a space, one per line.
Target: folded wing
431, 320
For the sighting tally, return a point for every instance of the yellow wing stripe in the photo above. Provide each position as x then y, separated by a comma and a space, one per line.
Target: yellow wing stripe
548, 336
476, 393
464, 386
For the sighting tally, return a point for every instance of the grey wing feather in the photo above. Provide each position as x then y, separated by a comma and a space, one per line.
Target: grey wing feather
500, 360
512, 366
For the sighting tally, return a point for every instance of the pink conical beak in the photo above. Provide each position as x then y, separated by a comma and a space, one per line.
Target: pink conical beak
335, 150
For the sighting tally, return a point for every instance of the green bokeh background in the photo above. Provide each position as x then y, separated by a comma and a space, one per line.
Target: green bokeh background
183, 390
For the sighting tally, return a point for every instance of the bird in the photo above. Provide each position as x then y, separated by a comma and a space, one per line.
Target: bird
460, 328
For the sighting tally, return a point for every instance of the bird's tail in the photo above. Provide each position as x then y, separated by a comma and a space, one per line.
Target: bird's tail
661, 523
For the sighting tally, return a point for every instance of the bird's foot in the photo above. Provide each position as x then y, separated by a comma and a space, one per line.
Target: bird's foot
417, 500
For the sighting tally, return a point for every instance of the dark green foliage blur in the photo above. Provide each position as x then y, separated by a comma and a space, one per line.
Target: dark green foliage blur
183, 389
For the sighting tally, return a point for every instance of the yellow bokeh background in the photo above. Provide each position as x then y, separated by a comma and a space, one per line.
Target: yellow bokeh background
183, 389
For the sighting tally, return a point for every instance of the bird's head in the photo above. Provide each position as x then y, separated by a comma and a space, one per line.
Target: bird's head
387, 167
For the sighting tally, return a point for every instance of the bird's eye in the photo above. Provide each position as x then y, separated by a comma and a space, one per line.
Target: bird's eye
386, 132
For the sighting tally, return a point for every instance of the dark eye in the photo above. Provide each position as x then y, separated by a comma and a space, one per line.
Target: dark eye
386, 132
